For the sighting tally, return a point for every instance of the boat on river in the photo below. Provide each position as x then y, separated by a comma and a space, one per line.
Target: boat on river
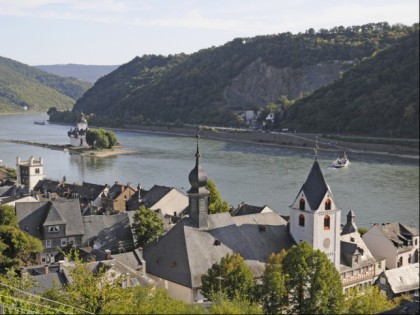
341, 161
39, 122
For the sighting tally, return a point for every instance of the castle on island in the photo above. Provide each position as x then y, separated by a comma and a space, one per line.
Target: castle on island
78, 134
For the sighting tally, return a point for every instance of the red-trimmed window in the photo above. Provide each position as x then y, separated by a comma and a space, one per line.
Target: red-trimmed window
302, 220
302, 204
328, 204
327, 222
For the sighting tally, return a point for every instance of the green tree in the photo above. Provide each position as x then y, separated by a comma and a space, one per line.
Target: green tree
101, 138
216, 204
274, 294
371, 301
312, 281
147, 225
222, 305
16, 247
231, 276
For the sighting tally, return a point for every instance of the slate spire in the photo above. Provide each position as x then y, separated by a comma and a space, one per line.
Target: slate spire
197, 177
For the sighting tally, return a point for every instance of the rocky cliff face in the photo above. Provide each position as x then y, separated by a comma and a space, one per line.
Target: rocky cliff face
259, 83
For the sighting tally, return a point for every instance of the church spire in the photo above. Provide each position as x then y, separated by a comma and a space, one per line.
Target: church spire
198, 194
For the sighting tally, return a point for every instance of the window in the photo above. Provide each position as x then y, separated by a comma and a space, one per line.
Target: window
367, 268
63, 242
409, 258
360, 271
54, 228
352, 273
47, 243
302, 204
37, 171
71, 240
327, 222
328, 204
302, 220
400, 262
415, 241
380, 265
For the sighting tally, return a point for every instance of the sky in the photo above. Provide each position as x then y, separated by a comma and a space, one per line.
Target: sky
113, 32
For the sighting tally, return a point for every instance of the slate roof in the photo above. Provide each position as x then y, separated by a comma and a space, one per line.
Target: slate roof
110, 230
350, 226
45, 185
133, 259
86, 190
245, 209
185, 253
33, 215
155, 194
398, 233
403, 279
53, 217
315, 186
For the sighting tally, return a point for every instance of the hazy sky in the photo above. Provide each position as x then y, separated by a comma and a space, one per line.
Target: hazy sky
112, 32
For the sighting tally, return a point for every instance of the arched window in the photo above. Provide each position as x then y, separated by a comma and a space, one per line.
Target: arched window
302, 204
302, 220
327, 222
328, 204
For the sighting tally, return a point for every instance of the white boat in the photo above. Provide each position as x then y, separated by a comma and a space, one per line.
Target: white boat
340, 162
39, 122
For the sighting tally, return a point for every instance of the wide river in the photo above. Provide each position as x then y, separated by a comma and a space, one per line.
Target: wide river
379, 188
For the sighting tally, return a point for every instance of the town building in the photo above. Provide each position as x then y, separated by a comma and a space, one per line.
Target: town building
178, 259
398, 243
78, 134
29, 172
117, 197
399, 281
55, 223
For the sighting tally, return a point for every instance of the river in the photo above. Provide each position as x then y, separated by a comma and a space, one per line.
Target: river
379, 188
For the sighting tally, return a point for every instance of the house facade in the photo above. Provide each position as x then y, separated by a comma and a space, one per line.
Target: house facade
55, 223
397, 242
117, 197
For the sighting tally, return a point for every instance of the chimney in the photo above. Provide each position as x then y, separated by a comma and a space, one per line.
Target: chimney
46, 269
108, 254
127, 277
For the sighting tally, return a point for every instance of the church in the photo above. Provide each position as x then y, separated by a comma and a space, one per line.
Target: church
177, 260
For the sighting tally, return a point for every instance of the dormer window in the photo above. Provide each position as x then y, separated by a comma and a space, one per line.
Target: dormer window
302, 204
54, 228
327, 222
328, 204
302, 220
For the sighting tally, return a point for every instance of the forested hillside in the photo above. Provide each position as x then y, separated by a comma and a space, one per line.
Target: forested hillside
88, 73
379, 97
246, 72
22, 86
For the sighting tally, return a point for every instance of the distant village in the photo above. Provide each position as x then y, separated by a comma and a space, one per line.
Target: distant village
97, 221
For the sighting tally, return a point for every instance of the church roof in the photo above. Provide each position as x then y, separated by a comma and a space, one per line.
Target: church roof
197, 176
315, 186
186, 252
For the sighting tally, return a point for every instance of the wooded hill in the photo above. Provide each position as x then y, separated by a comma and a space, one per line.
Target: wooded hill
24, 86
247, 73
379, 97
88, 73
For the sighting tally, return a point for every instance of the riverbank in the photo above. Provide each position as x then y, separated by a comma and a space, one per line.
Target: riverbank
283, 139
101, 153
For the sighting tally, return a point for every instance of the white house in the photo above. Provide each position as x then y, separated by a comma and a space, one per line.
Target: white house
78, 134
398, 243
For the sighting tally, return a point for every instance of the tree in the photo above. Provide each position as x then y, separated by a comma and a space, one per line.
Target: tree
147, 225
51, 111
222, 305
273, 291
216, 204
312, 281
16, 247
101, 138
371, 301
231, 276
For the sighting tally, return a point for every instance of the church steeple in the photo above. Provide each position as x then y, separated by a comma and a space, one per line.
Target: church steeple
198, 194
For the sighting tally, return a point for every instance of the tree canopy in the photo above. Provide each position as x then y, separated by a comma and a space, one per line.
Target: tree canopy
313, 282
231, 276
16, 246
101, 138
216, 204
147, 225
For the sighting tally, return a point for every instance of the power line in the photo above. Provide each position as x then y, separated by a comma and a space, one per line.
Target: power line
40, 305
42, 298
